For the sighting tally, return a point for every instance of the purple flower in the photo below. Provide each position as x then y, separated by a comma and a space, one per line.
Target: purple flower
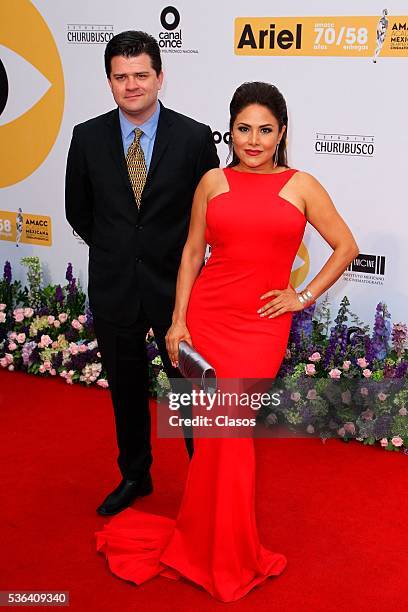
399, 338
68, 274
59, 296
56, 360
7, 272
152, 351
27, 351
381, 332
382, 426
43, 311
71, 335
401, 369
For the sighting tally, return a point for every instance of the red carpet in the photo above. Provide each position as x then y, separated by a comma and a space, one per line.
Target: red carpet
337, 511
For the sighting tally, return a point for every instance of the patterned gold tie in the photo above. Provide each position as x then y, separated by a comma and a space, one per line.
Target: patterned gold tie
136, 164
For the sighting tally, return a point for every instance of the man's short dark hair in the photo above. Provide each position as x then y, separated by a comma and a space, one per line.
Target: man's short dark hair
131, 44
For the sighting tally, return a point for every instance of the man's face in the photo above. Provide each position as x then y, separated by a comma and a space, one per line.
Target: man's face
135, 86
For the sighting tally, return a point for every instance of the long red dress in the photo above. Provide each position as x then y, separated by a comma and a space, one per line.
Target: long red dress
254, 234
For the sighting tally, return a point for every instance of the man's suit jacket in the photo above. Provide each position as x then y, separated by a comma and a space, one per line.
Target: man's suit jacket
134, 254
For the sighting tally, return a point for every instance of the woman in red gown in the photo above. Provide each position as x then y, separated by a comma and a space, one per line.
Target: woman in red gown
237, 313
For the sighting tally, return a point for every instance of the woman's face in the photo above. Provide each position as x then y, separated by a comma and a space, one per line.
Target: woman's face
255, 135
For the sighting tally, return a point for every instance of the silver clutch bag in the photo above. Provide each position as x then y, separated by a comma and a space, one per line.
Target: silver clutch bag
194, 367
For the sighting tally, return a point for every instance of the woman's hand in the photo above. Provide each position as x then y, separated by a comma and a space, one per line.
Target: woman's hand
176, 333
285, 300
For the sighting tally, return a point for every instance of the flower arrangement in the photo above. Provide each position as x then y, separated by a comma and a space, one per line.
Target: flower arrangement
342, 381
48, 331
336, 380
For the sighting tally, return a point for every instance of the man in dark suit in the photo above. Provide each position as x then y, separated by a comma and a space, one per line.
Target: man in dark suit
131, 175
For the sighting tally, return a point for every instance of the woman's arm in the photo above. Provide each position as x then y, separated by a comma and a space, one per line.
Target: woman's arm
322, 214
191, 262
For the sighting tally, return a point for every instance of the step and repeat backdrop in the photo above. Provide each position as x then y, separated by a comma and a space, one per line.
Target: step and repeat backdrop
342, 67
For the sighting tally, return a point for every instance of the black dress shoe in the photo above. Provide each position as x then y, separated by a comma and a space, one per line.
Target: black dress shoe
124, 495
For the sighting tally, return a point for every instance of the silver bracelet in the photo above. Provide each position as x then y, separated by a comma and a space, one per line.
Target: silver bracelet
305, 296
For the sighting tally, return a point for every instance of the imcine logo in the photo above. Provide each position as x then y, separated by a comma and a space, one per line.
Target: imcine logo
366, 269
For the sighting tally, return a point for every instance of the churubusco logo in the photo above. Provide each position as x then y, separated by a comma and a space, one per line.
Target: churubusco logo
367, 269
89, 34
355, 145
171, 37
347, 36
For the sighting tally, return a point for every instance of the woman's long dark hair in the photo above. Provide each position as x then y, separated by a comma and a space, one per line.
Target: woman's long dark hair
266, 95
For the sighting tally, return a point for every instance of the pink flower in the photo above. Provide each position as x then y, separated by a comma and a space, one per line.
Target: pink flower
362, 362
346, 397
83, 348
368, 414
12, 346
397, 441
3, 362
73, 348
98, 355
335, 373
53, 372
364, 391
28, 312
315, 357
310, 369
341, 432
50, 319
63, 317
403, 411
310, 429
295, 396
19, 317
2, 317
13, 336
56, 323
21, 338
47, 365
2, 307
288, 354
11, 367
350, 427
54, 344
384, 442
41, 368
45, 341
311, 394
346, 365
76, 324
382, 396
367, 373
82, 319
102, 383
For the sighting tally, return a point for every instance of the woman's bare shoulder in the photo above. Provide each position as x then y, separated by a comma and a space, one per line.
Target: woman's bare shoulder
214, 182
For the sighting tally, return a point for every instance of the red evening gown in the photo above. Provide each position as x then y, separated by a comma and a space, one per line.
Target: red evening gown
254, 235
